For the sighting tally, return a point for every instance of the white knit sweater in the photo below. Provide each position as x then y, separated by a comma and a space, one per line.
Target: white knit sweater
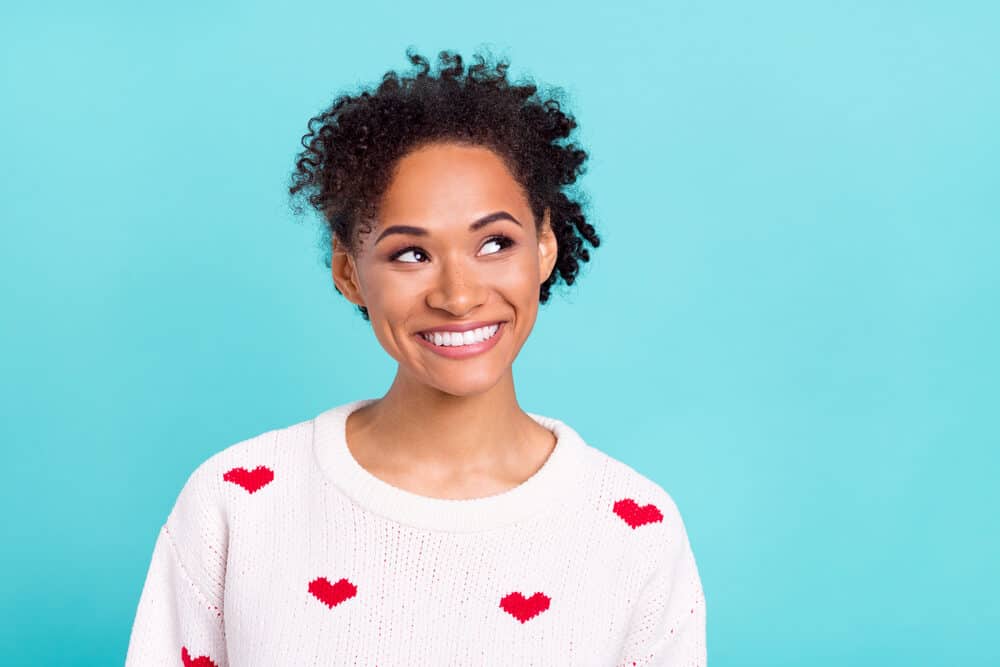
282, 550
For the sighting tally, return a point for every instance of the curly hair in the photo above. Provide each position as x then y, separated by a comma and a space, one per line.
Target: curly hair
352, 146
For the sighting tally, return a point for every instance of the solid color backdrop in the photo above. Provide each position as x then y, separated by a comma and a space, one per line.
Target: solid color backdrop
792, 324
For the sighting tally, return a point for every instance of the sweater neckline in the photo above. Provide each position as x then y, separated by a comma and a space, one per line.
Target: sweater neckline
551, 485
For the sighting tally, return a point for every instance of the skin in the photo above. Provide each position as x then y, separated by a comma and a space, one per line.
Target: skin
449, 428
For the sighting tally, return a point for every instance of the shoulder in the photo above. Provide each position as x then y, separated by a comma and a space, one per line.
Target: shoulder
199, 524
274, 443
639, 502
243, 467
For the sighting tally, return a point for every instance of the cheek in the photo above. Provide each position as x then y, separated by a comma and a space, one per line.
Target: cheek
521, 277
393, 293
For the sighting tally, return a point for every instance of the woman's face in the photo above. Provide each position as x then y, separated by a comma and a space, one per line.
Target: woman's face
454, 244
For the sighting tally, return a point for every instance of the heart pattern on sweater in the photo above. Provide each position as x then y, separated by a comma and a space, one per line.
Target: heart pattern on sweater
200, 661
332, 594
516, 604
251, 480
523, 608
636, 516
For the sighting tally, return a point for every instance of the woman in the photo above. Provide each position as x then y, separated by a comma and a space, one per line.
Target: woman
439, 524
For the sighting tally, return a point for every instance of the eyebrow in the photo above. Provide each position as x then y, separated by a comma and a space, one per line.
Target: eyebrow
420, 231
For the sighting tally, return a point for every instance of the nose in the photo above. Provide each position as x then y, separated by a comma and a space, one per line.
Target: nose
457, 288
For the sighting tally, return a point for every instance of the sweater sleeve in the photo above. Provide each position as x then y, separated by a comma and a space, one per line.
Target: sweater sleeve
179, 619
668, 627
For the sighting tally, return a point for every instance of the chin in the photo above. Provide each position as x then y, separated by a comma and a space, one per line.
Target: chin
471, 385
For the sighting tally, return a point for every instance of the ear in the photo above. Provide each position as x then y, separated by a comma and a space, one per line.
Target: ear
548, 248
345, 273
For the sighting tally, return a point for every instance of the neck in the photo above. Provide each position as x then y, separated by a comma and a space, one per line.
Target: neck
415, 426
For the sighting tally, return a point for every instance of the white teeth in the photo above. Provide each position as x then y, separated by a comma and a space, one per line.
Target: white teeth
455, 338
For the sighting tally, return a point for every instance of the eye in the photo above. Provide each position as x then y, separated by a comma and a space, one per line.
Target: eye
400, 253
501, 240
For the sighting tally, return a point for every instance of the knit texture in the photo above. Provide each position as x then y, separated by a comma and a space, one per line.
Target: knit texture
282, 550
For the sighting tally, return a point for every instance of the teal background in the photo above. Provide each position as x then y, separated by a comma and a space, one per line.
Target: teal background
792, 324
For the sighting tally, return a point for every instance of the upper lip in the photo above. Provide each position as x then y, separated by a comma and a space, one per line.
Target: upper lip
461, 326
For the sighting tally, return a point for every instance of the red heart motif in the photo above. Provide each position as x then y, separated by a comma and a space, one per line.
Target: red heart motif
200, 661
332, 594
523, 608
636, 516
250, 480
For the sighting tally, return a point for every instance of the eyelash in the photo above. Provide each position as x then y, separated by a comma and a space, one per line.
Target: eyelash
504, 241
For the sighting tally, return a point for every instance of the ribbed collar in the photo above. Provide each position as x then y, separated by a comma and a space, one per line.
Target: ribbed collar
556, 482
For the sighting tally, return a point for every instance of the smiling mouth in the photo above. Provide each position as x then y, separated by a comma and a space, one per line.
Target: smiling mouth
462, 338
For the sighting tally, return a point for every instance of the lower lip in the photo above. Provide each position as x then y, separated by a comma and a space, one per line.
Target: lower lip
463, 351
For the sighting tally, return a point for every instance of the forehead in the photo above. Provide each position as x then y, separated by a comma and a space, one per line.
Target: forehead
449, 181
